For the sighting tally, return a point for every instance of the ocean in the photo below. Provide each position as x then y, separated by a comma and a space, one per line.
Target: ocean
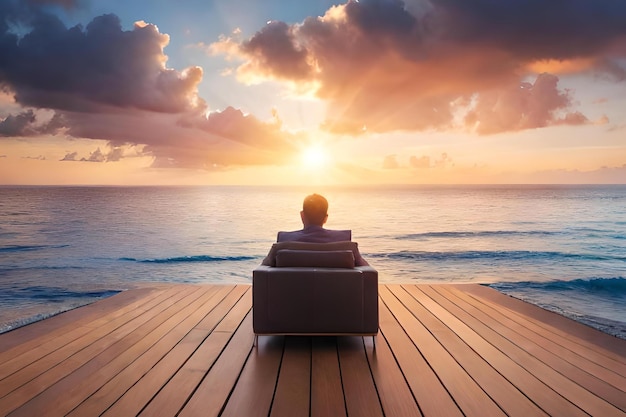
560, 247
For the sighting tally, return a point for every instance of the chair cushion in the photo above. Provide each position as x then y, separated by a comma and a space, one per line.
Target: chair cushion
315, 258
270, 259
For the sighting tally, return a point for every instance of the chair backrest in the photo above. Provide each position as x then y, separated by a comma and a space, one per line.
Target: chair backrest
271, 258
315, 258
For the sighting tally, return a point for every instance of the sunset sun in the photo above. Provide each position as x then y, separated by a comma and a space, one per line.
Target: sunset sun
314, 157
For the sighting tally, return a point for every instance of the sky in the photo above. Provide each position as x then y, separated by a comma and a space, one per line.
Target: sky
277, 92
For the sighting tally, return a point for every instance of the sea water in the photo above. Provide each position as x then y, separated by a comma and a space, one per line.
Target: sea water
560, 247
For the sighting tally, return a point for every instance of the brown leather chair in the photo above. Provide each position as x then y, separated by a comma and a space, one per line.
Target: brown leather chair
314, 289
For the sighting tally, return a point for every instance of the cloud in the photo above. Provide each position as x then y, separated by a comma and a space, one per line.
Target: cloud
391, 162
102, 82
70, 156
67, 4
528, 106
190, 140
93, 69
18, 125
421, 162
114, 154
95, 156
389, 65
26, 123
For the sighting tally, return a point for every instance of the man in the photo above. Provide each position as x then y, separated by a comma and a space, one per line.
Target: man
314, 215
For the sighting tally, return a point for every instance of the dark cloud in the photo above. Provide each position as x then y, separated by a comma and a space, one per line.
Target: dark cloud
67, 4
18, 125
92, 69
273, 46
383, 65
26, 124
106, 83
534, 29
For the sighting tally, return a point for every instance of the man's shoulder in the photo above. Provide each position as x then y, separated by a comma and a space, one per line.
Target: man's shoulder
339, 235
319, 235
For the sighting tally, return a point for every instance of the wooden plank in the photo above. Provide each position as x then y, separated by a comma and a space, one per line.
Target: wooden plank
18, 357
293, 390
510, 378
327, 397
469, 396
358, 385
395, 396
150, 372
511, 400
213, 391
429, 391
89, 378
574, 331
442, 351
564, 341
601, 381
43, 373
253, 394
160, 391
72, 389
492, 348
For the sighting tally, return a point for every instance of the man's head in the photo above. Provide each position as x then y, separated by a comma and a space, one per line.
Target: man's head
314, 210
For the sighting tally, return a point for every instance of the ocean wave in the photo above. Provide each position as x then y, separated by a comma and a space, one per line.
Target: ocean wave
198, 258
474, 234
51, 294
615, 286
492, 255
596, 301
28, 248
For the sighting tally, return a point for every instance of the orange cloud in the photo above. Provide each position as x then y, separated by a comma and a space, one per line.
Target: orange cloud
567, 66
528, 106
387, 65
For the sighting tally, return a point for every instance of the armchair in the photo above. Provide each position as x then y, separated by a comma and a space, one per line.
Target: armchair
314, 289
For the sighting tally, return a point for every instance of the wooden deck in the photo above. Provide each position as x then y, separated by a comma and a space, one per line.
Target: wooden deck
442, 350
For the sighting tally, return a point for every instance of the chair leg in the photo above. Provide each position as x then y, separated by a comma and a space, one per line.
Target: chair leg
374, 340
256, 340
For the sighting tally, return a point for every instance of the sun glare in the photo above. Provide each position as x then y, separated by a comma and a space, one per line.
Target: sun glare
314, 157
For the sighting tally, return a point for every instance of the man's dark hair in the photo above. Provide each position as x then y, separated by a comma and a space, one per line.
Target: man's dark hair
315, 209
